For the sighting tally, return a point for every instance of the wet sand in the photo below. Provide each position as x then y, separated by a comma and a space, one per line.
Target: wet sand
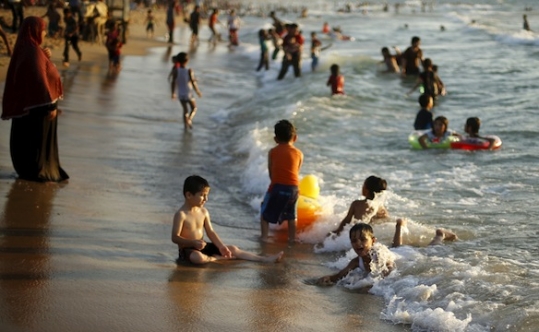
95, 254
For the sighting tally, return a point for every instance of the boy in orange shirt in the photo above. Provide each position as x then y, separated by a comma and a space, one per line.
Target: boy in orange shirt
284, 163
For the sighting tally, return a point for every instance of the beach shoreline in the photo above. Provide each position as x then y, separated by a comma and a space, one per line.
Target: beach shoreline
95, 253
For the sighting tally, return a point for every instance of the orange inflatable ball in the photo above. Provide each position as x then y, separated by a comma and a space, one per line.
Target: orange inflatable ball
309, 187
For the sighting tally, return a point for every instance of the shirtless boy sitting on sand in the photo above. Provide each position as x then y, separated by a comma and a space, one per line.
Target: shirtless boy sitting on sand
190, 222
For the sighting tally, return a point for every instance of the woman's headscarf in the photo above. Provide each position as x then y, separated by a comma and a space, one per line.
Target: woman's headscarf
32, 79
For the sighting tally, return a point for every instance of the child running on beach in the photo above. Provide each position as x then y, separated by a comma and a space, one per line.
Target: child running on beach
336, 80
438, 134
284, 163
374, 256
193, 219
183, 79
365, 209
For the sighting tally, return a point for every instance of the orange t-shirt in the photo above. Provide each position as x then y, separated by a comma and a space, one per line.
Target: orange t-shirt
285, 162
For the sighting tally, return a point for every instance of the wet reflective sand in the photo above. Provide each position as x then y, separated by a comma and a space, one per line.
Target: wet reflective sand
95, 254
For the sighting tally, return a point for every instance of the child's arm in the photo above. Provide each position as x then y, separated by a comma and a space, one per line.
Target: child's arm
491, 141
173, 74
331, 279
328, 83
177, 226
194, 82
269, 164
423, 141
417, 84
214, 238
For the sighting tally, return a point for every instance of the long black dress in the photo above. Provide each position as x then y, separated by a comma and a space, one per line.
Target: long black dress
34, 146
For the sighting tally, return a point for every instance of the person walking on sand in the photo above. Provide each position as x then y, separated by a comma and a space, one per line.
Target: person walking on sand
192, 220
182, 84
194, 23
71, 36
150, 23
17, 11
170, 20
114, 45
32, 89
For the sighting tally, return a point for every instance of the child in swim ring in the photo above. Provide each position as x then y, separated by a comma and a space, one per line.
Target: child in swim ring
472, 129
438, 134
365, 209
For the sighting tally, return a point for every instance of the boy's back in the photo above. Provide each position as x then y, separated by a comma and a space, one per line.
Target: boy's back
285, 164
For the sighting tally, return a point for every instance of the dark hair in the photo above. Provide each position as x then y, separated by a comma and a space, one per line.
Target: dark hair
385, 50
67, 11
374, 185
473, 123
261, 33
434, 68
181, 57
424, 99
364, 229
284, 131
334, 69
427, 63
415, 39
194, 184
443, 120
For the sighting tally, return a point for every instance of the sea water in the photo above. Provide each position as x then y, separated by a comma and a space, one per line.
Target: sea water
489, 278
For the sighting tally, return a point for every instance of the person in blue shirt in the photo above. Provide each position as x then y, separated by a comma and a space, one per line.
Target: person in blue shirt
423, 119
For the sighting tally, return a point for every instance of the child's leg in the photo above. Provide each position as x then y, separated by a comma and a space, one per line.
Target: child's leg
66, 51
196, 257
185, 113
266, 60
291, 231
193, 105
264, 230
245, 255
397, 237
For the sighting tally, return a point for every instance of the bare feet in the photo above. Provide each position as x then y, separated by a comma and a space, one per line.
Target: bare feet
275, 258
265, 239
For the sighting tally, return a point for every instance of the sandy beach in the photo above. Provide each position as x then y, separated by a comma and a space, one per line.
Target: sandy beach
95, 254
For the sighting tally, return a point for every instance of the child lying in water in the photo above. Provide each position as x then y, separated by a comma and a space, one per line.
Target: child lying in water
369, 252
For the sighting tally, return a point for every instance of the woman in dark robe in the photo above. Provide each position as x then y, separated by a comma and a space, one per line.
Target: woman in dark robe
32, 90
